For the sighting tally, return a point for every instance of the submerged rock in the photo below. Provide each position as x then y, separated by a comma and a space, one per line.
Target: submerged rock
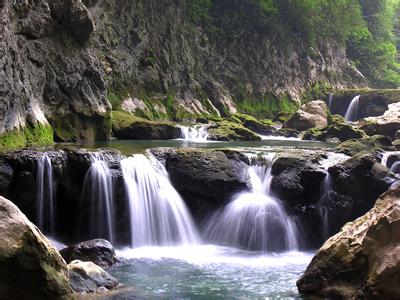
30, 267
98, 251
313, 114
87, 277
362, 261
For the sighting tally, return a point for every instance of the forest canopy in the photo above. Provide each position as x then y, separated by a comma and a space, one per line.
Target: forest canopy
368, 28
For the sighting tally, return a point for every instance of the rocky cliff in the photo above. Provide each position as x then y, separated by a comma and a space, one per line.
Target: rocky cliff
63, 62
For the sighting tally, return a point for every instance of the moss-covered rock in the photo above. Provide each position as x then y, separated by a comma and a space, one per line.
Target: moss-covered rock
229, 131
127, 126
337, 128
371, 144
29, 136
265, 127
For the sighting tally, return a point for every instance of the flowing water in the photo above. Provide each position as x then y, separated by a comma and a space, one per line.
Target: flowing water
98, 196
158, 215
195, 133
330, 99
45, 195
352, 111
254, 221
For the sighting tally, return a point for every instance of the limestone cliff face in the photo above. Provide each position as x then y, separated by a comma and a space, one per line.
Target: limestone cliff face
59, 57
47, 73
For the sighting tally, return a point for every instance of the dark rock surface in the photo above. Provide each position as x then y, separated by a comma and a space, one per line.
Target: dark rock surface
98, 251
206, 179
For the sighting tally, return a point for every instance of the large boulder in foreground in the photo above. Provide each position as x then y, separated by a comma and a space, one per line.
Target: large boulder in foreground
205, 178
98, 251
87, 277
313, 114
363, 260
30, 267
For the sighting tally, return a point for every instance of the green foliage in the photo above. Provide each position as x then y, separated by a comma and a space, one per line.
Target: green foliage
29, 136
199, 10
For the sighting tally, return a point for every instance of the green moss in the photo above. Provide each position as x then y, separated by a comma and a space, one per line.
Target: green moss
267, 107
29, 136
319, 90
229, 131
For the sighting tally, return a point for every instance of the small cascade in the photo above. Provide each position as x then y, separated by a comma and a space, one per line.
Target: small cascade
386, 156
158, 215
99, 197
45, 195
330, 99
196, 133
257, 220
352, 111
325, 191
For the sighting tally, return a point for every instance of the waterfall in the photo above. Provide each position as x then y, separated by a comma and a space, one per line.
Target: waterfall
385, 157
330, 99
257, 220
158, 215
98, 195
352, 111
45, 195
197, 133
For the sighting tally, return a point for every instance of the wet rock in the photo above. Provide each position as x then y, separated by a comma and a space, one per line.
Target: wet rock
87, 277
295, 176
31, 268
362, 179
205, 178
313, 114
361, 261
6, 176
229, 131
98, 251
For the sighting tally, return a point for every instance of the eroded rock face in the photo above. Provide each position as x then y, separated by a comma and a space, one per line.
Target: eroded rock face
87, 277
313, 114
31, 268
362, 261
49, 76
98, 251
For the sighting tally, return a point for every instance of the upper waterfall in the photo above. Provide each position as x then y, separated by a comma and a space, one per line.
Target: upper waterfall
352, 111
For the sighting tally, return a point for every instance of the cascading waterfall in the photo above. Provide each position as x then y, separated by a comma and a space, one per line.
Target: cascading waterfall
256, 221
395, 168
352, 111
158, 215
99, 196
197, 133
326, 188
45, 195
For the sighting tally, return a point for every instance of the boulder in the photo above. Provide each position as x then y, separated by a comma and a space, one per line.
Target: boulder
362, 261
127, 126
362, 179
295, 175
205, 178
230, 131
31, 268
98, 251
338, 128
313, 114
371, 144
388, 124
87, 277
